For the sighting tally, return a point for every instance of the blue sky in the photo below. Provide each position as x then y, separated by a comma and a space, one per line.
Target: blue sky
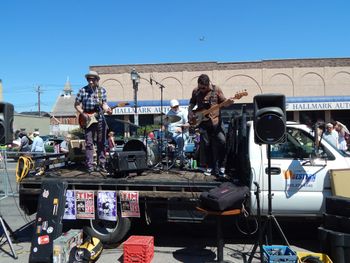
44, 42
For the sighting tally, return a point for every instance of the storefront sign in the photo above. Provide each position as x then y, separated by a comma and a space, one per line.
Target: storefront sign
302, 106
308, 106
142, 110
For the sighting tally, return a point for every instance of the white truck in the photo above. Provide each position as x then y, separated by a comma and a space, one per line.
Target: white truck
300, 181
300, 172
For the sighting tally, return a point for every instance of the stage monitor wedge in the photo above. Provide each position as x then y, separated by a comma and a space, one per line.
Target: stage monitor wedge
269, 118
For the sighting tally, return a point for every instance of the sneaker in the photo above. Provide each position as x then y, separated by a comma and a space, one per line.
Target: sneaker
90, 170
222, 172
208, 171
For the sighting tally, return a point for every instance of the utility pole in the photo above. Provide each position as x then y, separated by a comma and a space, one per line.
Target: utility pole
38, 91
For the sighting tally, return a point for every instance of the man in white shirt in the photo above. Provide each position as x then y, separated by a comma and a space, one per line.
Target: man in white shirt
38, 143
330, 135
178, 129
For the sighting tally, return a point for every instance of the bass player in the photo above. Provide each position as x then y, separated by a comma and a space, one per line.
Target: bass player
212, 134
91, 103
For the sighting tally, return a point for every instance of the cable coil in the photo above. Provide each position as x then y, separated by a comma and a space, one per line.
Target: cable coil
24, 165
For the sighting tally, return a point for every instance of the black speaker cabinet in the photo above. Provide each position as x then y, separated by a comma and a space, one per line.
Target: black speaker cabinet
128, 161
6, 123
269, 118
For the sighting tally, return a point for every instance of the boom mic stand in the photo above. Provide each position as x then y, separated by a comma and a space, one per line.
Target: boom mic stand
161, 86
267, 227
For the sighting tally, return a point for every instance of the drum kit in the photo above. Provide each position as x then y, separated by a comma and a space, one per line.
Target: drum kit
161, 150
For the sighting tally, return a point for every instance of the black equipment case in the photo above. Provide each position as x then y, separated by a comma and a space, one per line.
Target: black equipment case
128, 161
48, 223
225, 196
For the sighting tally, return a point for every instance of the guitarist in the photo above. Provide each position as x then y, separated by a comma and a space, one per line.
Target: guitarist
91, 102
212, 134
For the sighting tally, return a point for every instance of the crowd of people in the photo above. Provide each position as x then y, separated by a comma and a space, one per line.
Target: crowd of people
337, 134
31, 142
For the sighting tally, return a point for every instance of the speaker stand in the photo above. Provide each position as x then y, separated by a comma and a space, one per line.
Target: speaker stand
271, 219
6, 229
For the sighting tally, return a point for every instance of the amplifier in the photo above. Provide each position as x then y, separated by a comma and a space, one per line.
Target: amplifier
128, 161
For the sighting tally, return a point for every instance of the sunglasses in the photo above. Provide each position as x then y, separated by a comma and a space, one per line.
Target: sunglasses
92, 79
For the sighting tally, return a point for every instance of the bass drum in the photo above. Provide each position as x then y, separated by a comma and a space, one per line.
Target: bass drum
150, 150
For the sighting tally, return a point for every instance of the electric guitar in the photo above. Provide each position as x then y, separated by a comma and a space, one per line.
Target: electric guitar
202, 115
86, 119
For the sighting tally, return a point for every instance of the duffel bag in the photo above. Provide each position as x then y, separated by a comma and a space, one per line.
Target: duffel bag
224, 197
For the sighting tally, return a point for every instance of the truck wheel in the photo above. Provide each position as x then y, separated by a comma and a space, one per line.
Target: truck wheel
109, 232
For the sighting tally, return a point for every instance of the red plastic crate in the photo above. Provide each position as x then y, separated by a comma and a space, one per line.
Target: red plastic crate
138, 249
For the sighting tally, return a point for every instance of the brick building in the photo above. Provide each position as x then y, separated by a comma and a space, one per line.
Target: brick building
316, 89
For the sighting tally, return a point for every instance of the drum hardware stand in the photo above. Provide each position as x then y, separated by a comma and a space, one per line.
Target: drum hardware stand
160, 164
267, 227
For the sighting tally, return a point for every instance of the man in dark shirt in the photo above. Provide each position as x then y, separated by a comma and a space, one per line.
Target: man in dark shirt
25, 142
91, 103
212, 142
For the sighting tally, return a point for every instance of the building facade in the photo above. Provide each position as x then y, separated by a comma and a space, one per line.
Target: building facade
63, 115
315, 89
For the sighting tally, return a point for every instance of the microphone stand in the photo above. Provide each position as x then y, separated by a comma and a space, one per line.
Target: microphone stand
161, 86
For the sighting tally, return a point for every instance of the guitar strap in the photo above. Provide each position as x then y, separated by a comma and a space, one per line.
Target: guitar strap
99, 98
99, 95
212, 96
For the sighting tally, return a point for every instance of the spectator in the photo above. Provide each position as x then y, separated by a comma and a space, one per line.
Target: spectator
330, 135
64, 145
38, 143
25, 142
111, 143
342, 134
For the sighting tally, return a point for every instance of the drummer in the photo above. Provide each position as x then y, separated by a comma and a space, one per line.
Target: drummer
177, 125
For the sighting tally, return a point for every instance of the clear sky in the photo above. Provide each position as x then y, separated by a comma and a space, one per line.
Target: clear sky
44, 42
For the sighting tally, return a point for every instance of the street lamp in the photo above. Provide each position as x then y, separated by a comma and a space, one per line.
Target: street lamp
135, 77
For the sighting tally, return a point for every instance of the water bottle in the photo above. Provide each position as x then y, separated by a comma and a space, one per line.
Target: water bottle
194, 164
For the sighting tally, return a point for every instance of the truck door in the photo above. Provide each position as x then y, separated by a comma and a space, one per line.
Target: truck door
298, 183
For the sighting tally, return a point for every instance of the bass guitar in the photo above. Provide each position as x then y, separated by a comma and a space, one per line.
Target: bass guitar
202, 115
86, 119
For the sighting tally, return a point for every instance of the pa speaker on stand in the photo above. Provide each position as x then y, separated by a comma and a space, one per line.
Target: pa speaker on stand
269, 118
6, 123
269, 129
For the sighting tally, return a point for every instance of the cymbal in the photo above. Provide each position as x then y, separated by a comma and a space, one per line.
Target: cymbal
127, 122
172, 118
167, 119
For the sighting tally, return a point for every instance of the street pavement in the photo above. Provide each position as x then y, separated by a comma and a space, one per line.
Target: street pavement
174, 242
